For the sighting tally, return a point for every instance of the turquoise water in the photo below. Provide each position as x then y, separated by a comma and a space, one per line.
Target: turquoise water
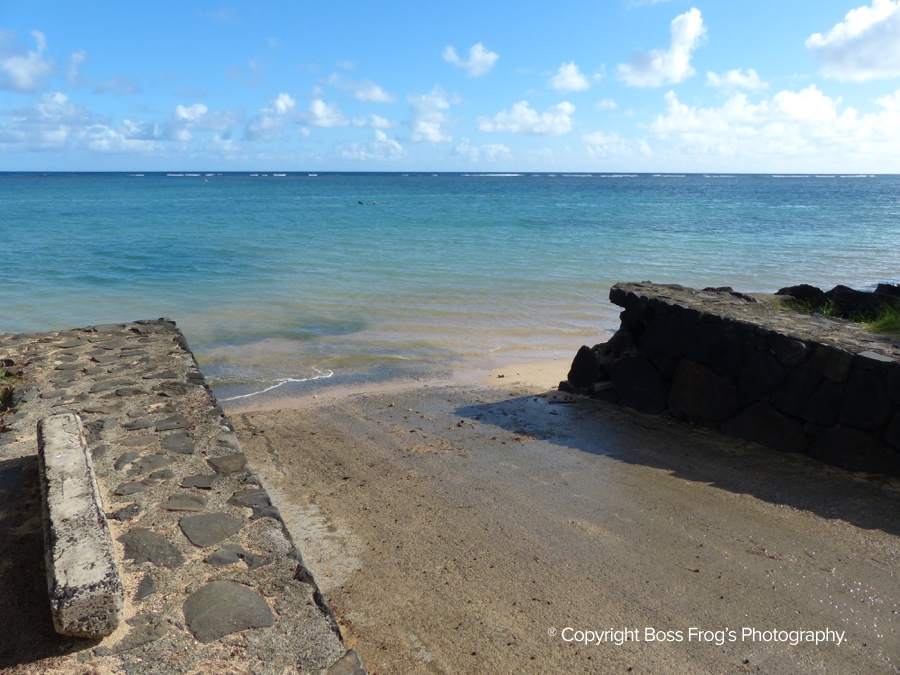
277, 280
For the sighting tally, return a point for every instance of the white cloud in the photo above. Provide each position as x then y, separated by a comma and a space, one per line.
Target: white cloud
490, 152
600, 145
117, 85
22, 70
864, 46
362, 91
569, 78
346, 64
429, 121
806, 126
268, 124
736, 79
606, 104
374, 122
321, 114
660, 66
76, 60
53, 123
521, 119
378, 148
479, 63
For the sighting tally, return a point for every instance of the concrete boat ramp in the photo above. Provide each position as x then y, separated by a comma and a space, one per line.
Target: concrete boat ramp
160, 548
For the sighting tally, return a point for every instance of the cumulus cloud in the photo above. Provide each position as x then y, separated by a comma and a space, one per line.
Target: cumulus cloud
736, 79
661, 66
53, 123
20, 69
362, 91
601, 145
321, 114
480, 60
864, 46
429, 119
373, 121
378, 148
606, 104
269, 123
569, 78
805, 124
490, 152
521, 119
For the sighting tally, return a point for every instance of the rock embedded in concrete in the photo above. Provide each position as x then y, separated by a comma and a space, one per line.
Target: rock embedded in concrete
229, 464
130, 488
86, 594
174, 422
348, 664
184, 502
208, 529
143, 545
146, 588
224, 607
178, 442
201, 481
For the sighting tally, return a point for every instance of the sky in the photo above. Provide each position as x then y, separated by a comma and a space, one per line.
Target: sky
736, 86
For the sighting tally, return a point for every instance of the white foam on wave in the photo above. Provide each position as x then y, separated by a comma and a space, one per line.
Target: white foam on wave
320, 376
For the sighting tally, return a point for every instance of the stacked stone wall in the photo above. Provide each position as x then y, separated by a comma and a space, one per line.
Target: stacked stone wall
744, 365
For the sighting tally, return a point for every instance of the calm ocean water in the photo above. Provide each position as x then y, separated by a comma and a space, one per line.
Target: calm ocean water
280, 279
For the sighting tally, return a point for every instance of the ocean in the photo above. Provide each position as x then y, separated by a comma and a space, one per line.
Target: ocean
287, 282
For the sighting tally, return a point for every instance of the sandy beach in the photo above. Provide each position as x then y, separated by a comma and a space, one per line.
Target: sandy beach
487, 524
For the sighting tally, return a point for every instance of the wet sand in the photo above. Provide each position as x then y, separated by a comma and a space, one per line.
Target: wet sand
453, 528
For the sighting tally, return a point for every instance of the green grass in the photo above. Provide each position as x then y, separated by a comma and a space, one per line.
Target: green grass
805, 306
887, 322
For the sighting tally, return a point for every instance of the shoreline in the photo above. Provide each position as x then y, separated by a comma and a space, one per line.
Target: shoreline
531, 374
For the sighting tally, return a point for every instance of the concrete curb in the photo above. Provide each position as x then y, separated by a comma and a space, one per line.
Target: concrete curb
86, 594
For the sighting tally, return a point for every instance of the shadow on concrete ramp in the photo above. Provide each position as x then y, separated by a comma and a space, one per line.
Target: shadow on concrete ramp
26, 629
694, 453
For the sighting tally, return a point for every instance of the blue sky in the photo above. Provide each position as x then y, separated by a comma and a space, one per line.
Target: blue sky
605, 85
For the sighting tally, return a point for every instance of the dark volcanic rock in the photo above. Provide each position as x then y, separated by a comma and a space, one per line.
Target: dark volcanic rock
715, 346
178, 442
761, 375
184, 502
131, 488
866, 403
174, 422
202, 481
229, 464
824, 405
585, 369
797, 390
224, 607
146, 588
790, 352
143, 545
222, 558
831, 362
760, 423
209, 528
700, 395
804, 293
639, 385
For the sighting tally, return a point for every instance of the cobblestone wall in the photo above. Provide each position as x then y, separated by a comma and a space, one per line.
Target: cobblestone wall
740, 363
